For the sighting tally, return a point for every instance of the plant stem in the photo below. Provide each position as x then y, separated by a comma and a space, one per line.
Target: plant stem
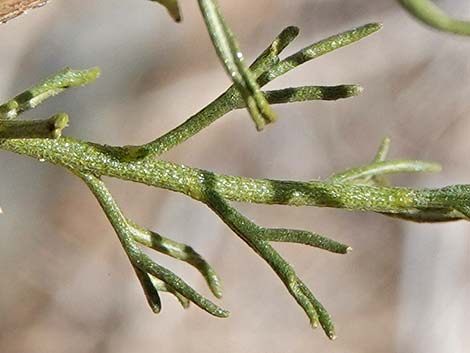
318, 49
258, 239
26, 129
144, 266
229, 101
230, 55
270, 62
433, 16
178, 251
384, 168
83, 157
50, 87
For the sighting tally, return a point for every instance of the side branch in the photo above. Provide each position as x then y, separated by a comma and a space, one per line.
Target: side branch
20, 129
267, 67
50, 87
231, 57
258, 239
229, 101
143, 265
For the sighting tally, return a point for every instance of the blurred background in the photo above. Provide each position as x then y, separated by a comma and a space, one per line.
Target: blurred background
66, 285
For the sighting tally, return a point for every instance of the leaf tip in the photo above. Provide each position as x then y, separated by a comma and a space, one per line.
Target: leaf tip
375, 26
60, 122
93, 73
357, 90
217, 291
154, 307
222, 313
172, 8
292, 31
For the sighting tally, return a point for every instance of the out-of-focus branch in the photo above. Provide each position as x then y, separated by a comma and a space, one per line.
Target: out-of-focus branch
9, 9
429, 13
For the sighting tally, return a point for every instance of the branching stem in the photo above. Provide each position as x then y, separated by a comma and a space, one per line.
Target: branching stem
361, 189
268, 67
144, 266
102, 161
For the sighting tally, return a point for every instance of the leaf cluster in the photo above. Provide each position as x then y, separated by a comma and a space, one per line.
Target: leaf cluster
364, 188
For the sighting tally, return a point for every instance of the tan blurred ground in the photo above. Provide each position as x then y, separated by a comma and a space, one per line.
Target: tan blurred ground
65, 284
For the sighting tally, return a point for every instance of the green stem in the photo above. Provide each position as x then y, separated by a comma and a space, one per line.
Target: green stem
311, 93
229, 101
150, 290
163, 287
348, 190
178, 251
383, 150
384, 168
231, 57
26, 129
50, 87
381, 156
258, 239
145, 266
318, 49
212, 112
270, 56
433, 16
269, 63
82, 157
